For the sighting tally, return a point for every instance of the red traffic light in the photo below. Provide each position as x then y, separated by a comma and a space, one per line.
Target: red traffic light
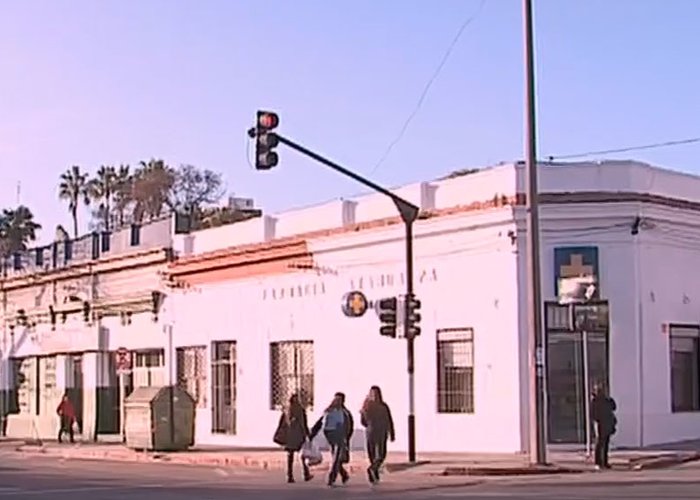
267, 120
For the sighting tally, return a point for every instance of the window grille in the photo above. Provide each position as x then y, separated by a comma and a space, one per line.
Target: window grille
191, 373
455, 365
291, 371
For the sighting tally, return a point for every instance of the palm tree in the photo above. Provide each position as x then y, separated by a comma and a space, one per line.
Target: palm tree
17, 229
123, 195
74, 189
101, 189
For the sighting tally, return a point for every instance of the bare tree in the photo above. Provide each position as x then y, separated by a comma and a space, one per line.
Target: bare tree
193, 189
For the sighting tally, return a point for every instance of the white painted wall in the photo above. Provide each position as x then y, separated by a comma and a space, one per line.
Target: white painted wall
474, 288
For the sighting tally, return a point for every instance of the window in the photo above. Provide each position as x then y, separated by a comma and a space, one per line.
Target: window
291, 371
223, 387
191, 373
135, 235
685, 368
39, 257
67, 250
105, 241
149, 368
455, 370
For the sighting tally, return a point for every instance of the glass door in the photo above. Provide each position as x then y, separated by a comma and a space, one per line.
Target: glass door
571, 356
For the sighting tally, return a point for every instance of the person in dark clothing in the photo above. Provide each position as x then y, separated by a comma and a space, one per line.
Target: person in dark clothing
338, 426
603, 417
66, 414
292, 432
379, 425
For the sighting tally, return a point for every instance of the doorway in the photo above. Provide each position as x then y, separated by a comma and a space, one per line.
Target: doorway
577, 344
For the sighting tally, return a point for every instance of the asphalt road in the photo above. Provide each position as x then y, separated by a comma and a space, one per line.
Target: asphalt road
31, 476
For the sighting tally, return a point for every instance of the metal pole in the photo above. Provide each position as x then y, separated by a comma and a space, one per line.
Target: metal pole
538, 452
171, 393
410, 346
587, 392
122, 408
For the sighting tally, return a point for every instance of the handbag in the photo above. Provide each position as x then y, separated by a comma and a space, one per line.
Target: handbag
311, 454
280, 436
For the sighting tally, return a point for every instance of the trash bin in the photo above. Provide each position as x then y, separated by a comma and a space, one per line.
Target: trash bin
148, 419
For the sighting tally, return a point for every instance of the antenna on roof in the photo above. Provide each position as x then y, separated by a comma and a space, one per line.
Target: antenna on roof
19, 192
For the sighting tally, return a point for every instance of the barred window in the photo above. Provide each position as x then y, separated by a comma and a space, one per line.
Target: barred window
455, 366
191, 373
291, 371
223, 387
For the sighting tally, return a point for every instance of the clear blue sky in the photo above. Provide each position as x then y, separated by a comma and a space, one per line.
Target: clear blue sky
116, 81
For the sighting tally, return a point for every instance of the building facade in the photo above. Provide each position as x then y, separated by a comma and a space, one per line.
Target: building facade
66, 308
258, 306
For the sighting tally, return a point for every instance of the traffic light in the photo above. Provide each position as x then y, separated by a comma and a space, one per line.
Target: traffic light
387, 316
266, 140
413, 315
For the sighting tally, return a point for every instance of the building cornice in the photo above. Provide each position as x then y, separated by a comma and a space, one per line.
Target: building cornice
108, 264
293, 247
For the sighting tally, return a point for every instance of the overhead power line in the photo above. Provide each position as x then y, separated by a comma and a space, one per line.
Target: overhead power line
426, 89
655, 145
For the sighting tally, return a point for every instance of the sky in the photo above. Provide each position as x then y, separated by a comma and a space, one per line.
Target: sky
114, 82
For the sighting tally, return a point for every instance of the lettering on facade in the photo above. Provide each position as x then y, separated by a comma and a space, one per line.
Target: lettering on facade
389, 280
295, 291
366, 282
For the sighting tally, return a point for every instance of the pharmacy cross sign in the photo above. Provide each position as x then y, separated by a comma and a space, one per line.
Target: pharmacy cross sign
575, 262
575, 268
355, 304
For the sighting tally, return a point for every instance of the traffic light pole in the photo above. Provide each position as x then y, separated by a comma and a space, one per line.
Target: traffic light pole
409, 214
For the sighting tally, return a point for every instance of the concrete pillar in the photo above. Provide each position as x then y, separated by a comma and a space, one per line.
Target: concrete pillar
91, 376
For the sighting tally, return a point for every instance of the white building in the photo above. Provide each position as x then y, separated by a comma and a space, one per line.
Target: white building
259, 315
65, 310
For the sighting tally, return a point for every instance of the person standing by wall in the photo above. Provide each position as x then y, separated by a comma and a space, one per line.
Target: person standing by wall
604, 420
292, 432
379, 425
66, 414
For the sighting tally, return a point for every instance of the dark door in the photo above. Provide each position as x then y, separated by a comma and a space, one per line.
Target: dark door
568, 391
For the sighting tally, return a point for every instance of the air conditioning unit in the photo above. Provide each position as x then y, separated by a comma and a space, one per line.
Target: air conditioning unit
241, 203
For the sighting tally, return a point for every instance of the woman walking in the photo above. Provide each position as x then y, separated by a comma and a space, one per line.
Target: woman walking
338, 425
379, 425
292, 432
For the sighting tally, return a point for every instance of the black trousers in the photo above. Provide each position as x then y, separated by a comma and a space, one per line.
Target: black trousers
602, 449
66, 427
376, 452
290, 465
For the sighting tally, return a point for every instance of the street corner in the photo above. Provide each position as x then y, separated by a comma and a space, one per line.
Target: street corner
664, 461
496, 471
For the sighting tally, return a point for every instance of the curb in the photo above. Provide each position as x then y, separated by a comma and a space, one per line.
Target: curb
222, 461
665, 462
508, 471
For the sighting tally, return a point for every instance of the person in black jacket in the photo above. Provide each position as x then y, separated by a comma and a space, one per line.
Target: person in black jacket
603, 416
338, 426
292, 432
379, 425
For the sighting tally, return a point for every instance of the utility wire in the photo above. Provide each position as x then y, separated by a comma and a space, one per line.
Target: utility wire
656, 145
432, 79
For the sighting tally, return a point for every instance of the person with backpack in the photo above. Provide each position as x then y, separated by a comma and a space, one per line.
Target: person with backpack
338, 426
379, 425
292, 432
603, 409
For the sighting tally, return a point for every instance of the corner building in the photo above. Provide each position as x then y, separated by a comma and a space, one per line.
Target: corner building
255, 309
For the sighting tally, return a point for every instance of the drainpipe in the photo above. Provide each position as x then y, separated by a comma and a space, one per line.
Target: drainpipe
640, 327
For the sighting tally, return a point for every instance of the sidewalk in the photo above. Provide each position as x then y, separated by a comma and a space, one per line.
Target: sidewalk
428, 464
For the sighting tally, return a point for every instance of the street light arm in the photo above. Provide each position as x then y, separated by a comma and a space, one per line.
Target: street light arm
409, 212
